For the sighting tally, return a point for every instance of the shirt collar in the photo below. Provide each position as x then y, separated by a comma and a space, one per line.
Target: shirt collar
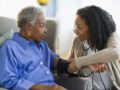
22, 41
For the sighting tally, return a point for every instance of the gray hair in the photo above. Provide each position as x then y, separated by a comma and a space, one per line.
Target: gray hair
28, 15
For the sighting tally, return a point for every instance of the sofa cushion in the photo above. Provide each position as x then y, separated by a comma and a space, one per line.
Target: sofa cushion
6, 35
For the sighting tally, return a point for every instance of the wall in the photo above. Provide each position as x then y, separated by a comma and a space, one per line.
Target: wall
66, 10
10, 8
66, 14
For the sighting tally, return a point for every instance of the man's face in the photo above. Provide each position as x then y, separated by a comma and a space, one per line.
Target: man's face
38, 30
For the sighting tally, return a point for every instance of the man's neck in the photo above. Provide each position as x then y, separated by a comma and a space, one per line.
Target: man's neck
24, 35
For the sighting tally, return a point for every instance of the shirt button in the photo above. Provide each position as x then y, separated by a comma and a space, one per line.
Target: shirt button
47, 72
41, 63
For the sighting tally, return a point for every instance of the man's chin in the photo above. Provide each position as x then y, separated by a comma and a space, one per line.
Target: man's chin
38, 40
41, 39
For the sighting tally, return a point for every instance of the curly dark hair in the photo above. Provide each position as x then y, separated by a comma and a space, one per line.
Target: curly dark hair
101, 25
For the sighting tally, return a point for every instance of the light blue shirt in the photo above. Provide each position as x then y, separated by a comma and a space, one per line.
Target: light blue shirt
23, 64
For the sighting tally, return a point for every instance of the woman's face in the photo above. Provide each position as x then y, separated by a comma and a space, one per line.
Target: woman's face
81, 28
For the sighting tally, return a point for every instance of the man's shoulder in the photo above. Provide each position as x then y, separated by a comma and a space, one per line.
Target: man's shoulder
9, 43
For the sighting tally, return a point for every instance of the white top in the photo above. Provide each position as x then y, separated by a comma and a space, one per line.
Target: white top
111, 53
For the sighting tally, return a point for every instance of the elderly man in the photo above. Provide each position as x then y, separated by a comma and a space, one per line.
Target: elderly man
26, 61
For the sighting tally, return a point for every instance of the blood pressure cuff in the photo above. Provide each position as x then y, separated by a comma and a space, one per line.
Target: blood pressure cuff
62, 66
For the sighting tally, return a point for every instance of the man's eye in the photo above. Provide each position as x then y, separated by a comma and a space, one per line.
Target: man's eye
42, 25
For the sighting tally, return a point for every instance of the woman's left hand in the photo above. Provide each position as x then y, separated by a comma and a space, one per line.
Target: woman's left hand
72, 66
98, 67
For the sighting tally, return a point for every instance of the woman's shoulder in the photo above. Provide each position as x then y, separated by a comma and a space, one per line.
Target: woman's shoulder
114, 40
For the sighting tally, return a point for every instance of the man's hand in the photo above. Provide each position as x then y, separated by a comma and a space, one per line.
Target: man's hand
98, 67
72, 66
63, 75
46, 87
57, 87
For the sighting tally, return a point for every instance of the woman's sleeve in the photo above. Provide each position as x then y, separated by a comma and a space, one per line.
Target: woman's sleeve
111, 53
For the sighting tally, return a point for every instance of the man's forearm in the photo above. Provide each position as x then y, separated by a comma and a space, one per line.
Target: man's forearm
47, 87
39, 87
42, 87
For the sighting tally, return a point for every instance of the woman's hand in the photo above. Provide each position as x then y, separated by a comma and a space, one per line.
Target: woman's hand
72, 66
98, 67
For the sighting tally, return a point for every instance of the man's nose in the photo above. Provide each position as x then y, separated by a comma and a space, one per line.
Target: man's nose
45, 30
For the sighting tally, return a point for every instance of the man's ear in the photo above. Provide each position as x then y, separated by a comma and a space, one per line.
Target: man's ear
28, 27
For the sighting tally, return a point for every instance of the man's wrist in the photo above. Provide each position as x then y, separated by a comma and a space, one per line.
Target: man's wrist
62, 66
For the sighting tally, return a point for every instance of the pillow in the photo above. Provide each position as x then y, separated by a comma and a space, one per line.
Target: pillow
7, 35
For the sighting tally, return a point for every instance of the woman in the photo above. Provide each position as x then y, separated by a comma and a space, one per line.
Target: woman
96, 39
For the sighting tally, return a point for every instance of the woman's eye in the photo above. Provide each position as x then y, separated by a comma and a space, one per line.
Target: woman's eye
79, 27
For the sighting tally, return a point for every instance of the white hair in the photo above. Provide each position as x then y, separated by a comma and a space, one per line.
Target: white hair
28, 15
